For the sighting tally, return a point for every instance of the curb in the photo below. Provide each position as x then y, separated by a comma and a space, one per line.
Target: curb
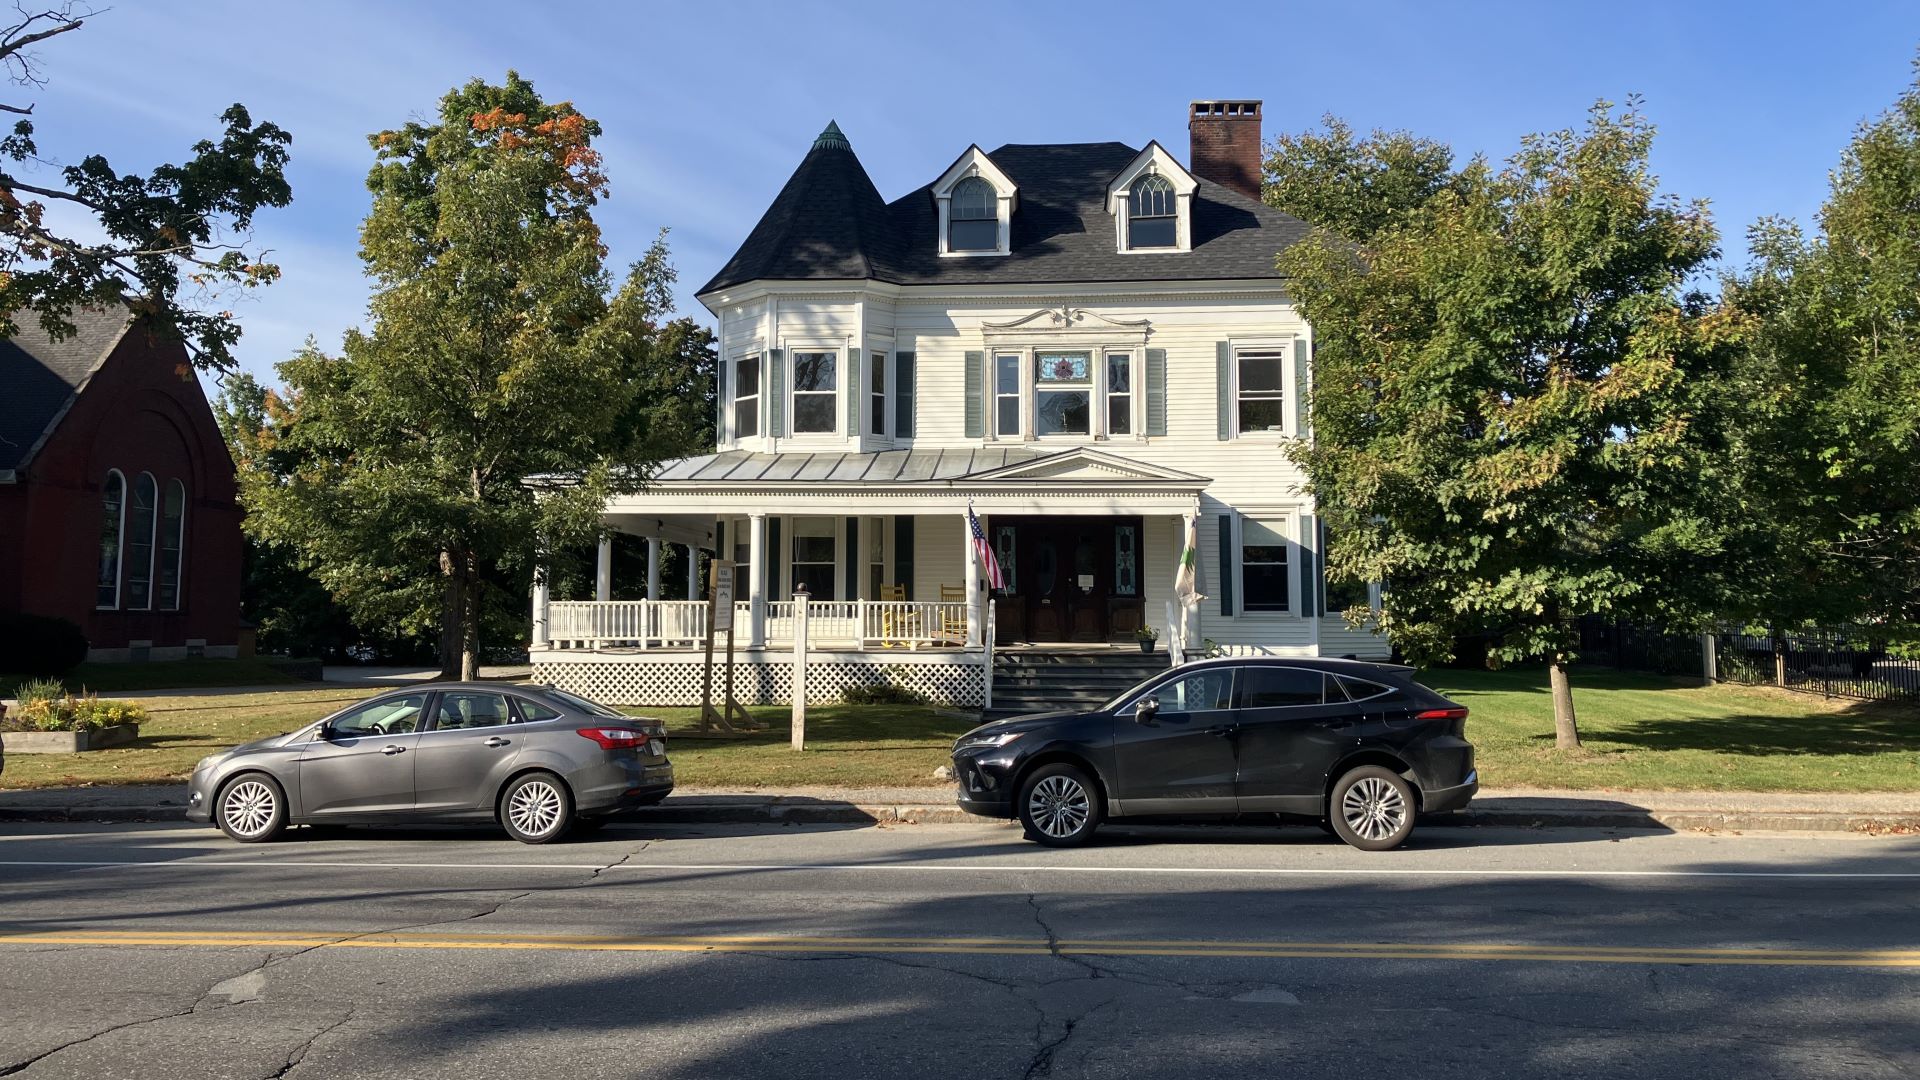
819, 813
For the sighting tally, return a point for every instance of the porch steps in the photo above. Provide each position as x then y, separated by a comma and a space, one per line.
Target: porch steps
1027, 680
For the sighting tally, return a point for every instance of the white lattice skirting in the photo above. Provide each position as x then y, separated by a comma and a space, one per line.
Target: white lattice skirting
951, 679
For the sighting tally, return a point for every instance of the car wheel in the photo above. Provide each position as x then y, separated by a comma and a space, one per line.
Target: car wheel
252, 808
536, 808
1372, 808
1059, 806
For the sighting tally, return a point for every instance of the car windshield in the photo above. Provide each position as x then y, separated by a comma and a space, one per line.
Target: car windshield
582, 704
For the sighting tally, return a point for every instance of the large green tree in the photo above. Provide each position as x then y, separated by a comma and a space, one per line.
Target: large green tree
1833, 392
1351, 185
143, 240
1518, 400
500, 350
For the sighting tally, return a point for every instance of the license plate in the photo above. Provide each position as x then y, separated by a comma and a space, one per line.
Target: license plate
656, 747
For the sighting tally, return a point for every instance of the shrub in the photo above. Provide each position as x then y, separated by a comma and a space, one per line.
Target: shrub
39, 644
39, 690
881, 694
70, 712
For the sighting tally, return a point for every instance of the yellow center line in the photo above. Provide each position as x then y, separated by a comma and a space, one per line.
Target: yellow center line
742, 943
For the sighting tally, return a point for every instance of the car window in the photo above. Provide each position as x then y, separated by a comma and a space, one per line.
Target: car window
1198, 692
1362, 689
1264, 687
531, 711
470, 710
578, 702
388, 716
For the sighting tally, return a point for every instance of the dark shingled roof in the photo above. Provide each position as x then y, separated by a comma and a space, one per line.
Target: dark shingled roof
39, 376
828, 224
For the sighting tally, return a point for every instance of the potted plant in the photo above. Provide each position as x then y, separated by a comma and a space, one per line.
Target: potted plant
1146, 636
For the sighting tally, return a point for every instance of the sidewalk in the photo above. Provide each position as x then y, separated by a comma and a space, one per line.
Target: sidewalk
1521, 808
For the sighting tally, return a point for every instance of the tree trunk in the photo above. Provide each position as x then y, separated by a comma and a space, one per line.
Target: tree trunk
470, 630
1566, 733
450, 620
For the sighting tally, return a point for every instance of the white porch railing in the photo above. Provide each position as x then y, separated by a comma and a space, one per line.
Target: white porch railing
682, 624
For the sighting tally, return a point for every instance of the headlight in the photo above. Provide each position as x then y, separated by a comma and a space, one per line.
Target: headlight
985, 741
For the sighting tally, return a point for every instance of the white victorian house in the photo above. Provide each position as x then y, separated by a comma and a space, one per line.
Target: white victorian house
1087, 343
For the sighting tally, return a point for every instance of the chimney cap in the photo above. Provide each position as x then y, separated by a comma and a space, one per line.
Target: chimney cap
1226, 108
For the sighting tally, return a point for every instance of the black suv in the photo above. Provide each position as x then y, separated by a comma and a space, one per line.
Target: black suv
1360, 748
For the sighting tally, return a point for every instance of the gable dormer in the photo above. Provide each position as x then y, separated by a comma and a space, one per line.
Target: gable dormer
1151, 201
975, 201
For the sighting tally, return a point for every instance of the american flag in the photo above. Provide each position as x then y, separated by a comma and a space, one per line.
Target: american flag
995, 579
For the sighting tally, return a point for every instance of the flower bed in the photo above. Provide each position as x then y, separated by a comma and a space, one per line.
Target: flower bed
65, 723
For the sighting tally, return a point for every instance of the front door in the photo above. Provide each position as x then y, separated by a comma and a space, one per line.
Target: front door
1181, 759
1068, 578
365, 765
464, 758
1294, 724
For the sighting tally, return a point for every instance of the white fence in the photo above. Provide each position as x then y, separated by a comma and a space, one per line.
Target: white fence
682, 624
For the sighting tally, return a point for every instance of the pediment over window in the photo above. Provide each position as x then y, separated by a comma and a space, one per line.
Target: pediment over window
976, 202
1151, 201
1067, 322
1088, 465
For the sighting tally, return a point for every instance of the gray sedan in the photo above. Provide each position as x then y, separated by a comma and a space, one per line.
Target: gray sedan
539, 761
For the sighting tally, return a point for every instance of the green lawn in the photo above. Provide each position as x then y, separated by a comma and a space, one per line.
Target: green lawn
1651, 733
1642, 732
166, 675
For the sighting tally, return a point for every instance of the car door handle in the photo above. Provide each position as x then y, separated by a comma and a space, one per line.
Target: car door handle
1223, 730
391, 750
497, 741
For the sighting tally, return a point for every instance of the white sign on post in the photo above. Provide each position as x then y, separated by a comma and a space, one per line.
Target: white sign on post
722, 595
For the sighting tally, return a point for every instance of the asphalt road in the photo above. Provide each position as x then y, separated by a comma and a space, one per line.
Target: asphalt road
948, 951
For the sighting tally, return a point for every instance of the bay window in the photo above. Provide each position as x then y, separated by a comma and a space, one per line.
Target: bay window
815, 391
878, 421
746, 396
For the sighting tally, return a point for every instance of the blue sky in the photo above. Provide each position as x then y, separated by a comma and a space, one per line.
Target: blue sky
707, 107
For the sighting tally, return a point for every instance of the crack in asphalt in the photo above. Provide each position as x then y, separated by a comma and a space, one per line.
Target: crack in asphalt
21, 1066
299, 1053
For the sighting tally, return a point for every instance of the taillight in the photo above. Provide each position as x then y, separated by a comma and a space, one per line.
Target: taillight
1456, 713
614, 738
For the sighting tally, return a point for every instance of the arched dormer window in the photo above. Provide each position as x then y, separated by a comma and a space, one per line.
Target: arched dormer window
974, 221
1153, 213
113, 511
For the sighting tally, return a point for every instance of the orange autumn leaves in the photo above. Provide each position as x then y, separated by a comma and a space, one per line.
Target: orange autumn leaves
565, 136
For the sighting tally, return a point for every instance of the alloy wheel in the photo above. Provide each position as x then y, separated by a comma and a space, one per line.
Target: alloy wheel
534, 808
249, 808
1374, 808
1059, 806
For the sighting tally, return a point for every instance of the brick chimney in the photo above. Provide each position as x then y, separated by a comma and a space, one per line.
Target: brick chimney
1225, 144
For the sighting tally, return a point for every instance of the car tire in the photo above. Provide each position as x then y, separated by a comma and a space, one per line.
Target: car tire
251, 808
1059, 806
536, 808
1372, 808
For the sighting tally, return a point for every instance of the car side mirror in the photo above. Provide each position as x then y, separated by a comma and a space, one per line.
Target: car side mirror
324, 732
1146, 709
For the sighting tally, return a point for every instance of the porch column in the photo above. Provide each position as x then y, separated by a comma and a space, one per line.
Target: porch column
756, 580
693, 572
972, 560
541, 638
603, 571
653, 568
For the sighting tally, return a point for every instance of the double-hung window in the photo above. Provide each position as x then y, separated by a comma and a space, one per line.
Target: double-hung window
1006, 394
878, 421
815, 391
1263, 566
1261, 391
973, 215
1119, 393
1062, 393
813, 556
746, 396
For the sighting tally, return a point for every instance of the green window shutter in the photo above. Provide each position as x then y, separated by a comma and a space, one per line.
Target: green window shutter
1156, 391
902, 396
1302, 416
903, 553
775, 558
851, 590
975, 389
776, 406
1228, 564
1223, 357
853, 392
1309, 605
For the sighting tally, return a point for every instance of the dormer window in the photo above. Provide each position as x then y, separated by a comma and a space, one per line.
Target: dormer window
975, 201
1153, 214
974, 222
1152, 203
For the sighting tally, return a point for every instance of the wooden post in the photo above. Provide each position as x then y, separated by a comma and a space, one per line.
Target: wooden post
541, 626
971, 578
799, 722
603, 571
1709, 658
731, 719
986, 657
653, 568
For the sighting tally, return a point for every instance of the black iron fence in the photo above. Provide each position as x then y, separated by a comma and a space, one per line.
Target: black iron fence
1634, 648
1831, 663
